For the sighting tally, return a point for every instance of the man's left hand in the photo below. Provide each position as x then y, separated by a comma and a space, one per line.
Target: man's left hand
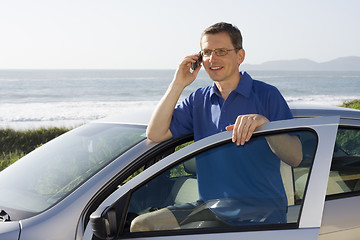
244, 127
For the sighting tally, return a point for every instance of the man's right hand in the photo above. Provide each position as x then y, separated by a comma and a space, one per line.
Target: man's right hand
159, 126
184, 76
245, 126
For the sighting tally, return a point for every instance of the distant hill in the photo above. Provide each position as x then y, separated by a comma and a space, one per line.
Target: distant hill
339, 64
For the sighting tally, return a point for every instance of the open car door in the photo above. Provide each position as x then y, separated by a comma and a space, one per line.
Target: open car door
177, 181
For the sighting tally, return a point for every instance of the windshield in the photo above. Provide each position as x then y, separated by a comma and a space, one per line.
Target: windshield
46, 175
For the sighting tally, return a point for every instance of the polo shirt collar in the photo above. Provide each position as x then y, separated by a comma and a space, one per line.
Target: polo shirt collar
244, 87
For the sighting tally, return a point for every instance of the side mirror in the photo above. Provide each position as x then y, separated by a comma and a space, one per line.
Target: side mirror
107, 222
103, 223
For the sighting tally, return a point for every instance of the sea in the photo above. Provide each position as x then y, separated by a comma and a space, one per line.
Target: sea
31, 99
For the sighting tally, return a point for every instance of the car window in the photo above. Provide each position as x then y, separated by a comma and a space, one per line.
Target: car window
175, 146
264, 190
345, 168
45, 176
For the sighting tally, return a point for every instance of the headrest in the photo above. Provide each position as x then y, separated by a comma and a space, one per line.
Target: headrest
190, 166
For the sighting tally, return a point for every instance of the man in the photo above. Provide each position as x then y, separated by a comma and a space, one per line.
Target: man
234, 102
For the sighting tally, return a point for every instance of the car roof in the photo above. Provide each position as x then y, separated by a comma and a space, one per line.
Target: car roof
299, 111
134, 117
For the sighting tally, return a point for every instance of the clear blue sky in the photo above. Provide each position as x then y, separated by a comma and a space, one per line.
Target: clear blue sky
145, 34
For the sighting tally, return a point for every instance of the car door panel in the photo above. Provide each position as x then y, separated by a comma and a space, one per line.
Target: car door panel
314, 202
255, 235
311, 214
332, 222
9, 230
341, 216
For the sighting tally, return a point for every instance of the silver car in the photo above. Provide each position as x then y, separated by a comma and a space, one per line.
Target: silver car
91, 182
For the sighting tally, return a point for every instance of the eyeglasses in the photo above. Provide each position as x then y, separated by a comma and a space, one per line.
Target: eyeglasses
218, 51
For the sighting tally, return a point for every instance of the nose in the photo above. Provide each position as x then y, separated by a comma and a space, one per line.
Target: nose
212, 55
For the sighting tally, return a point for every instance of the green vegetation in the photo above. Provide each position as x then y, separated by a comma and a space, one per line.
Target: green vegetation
348, 140
352, 104
16, 144
7, 159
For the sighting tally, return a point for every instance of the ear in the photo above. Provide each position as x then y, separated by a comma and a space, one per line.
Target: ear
241, 56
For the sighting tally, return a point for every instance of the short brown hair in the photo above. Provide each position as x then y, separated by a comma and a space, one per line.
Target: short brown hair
233, 31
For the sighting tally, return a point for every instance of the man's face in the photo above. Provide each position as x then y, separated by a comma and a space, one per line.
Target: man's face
221, 68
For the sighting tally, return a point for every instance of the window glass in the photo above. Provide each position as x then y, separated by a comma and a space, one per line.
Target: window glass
46, 175
226, 186
345, 168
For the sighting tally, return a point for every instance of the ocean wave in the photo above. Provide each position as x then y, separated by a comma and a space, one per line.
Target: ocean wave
325, 100
66, 114
71, 114
38, 98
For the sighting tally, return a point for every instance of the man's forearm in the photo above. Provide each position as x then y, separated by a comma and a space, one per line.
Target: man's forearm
158, 128
287, 147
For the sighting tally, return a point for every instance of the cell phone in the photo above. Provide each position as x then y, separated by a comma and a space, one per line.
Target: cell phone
196, 64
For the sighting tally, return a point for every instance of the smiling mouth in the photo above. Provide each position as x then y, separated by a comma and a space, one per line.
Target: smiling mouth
215, 68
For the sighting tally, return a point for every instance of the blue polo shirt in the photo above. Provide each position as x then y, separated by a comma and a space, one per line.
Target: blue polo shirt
249, 174
205, 112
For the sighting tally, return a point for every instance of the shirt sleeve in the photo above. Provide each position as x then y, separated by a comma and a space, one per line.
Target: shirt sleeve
277, 108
